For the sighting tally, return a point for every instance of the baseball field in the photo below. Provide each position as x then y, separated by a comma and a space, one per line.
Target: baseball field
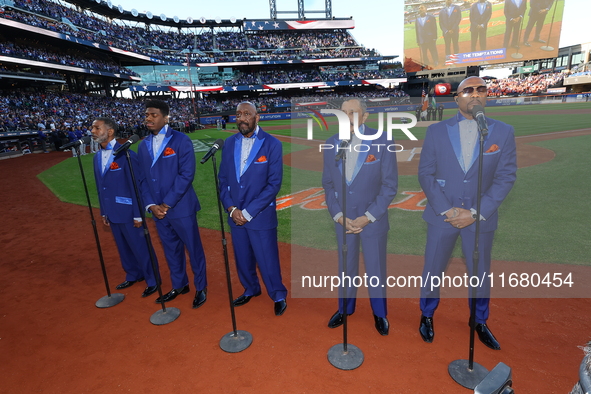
55, 340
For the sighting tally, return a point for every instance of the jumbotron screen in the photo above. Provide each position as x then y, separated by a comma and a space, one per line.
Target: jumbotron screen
450, 33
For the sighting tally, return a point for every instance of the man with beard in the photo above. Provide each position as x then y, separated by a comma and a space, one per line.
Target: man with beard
119, 207
250, 177
448, 174
167, 160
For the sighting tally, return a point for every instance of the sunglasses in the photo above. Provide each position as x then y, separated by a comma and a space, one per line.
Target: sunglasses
469, 90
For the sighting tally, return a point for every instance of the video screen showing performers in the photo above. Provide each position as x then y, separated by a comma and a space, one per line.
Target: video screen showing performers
446, 33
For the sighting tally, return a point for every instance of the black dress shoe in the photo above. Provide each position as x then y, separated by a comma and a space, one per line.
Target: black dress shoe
336, 320
486, 336
244, 299
382, 325
280, 307
426, 329
527, 44
200, 298
149, 290
171, 295
127, 284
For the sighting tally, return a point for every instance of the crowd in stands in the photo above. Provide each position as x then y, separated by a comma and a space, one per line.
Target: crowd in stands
203, 47
531, 85
326, 73
64, 111
28, 49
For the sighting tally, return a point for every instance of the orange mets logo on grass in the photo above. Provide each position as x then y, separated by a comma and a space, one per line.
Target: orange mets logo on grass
313, 199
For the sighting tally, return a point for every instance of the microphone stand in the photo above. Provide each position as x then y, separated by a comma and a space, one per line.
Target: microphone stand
547, 47
518, 55
467, 373
237, 340
163, 316
110, 299
344, 356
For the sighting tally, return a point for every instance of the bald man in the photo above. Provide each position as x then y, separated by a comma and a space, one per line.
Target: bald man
250, 177
448, 174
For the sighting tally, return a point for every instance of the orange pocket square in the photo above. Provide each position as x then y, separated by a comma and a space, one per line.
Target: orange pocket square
262, 159
114, 166
370, 158
493, 148
169, 151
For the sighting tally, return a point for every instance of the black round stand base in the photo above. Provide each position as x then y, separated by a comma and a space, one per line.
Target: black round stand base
234, 343
109, 301
345, 360
458, 370
161, 318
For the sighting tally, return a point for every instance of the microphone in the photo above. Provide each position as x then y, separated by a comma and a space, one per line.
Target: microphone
132, 140
342, 149
83, 140
214, 148
478, 115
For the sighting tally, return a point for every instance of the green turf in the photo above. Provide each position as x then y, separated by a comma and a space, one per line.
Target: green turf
535, 222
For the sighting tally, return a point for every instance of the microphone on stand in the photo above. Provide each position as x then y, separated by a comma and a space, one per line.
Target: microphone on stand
342, 149
218, 144
132, 140
83, 140
478, 115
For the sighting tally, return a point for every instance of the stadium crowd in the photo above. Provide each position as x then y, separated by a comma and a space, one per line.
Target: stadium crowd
27, 49
172, 45
531, 85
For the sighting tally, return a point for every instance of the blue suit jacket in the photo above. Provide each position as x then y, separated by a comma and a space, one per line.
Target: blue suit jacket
257, 187
115, 188
512, 11
447, 184
373, 185
169, 178
426, 32
450, 22
476, 18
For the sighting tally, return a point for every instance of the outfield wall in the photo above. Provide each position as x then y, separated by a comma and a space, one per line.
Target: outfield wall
492, 102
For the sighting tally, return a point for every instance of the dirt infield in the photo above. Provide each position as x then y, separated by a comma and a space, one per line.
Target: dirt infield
54, 340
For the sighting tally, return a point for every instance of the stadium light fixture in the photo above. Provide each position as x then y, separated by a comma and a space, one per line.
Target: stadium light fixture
189, 20
202, 20
233, 19
98, 1
149, 15
218, 19
176, 19
163, 17
109, 4
134, 12
120, 8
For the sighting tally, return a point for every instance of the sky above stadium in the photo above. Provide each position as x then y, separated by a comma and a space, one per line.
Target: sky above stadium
378, 23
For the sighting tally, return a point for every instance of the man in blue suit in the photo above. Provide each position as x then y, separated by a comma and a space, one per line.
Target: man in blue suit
167, 162
448, 174
480, 14
449, 21
426, 34
250, 177
372, 180
119, 207
514, 12
538, 9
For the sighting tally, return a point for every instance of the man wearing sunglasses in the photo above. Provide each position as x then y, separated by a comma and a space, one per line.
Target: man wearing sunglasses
448, 174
